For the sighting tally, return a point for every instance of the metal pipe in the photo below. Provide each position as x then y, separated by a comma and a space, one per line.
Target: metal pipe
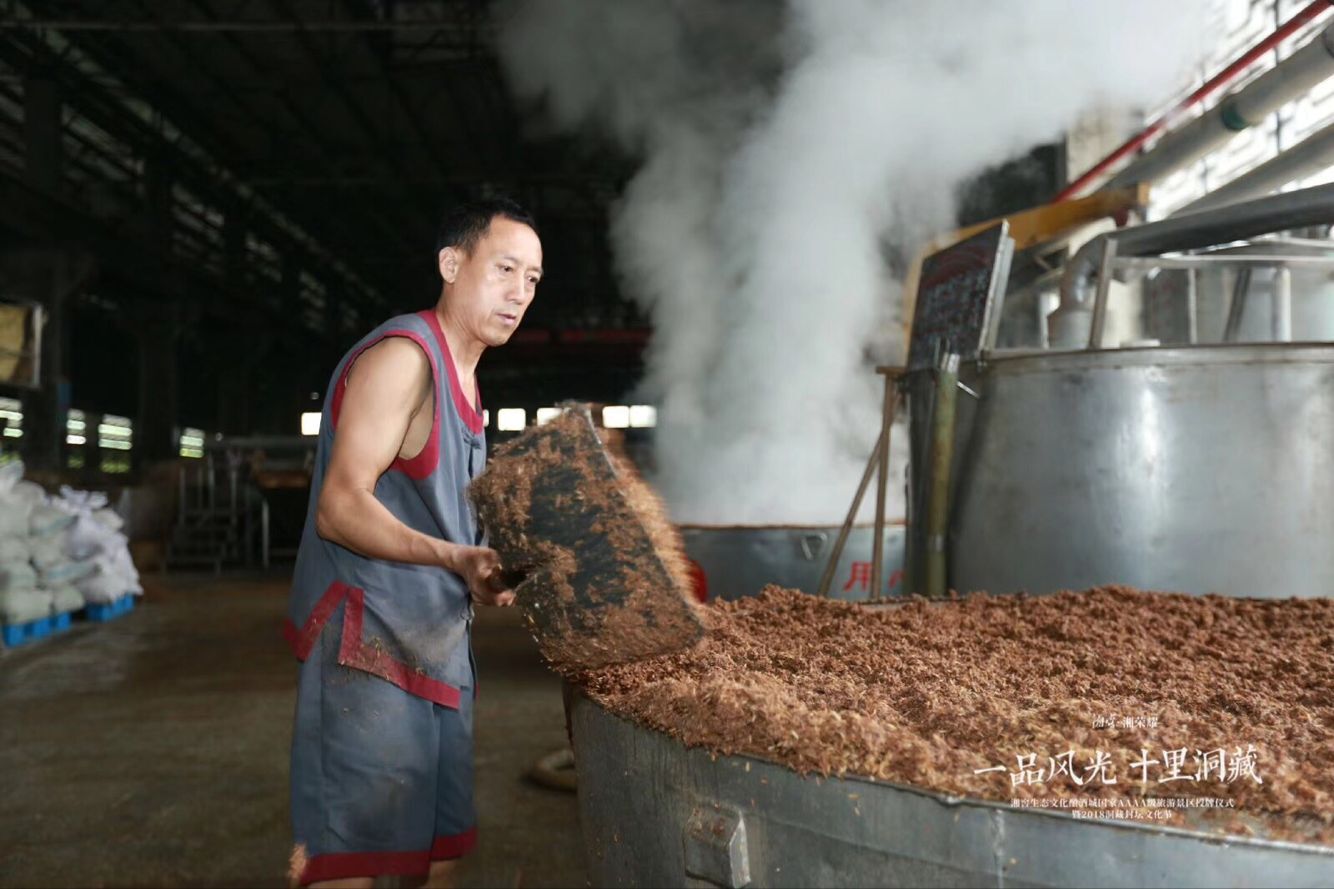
1290, 78
1280, 212
878, 462
1098, 325
1306, 158
942, 458
871, 464
1192, 308
1224, 259
1283, 32
882, 482
1282, 321
1237, 307
922, 414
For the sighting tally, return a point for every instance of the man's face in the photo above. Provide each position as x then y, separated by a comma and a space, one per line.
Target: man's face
491, 287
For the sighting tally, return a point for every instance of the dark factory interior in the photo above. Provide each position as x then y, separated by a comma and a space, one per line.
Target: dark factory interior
666, 442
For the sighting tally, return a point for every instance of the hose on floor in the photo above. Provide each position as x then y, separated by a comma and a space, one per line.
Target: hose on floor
555, 770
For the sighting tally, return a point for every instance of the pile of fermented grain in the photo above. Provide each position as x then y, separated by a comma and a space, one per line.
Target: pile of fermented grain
928, 693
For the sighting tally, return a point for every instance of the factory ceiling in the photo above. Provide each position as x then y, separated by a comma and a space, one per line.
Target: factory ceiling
270, 173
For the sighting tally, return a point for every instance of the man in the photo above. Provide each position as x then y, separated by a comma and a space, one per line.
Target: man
390, 562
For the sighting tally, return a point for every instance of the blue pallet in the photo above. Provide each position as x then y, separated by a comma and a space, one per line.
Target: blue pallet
98, 613
31, 631
62, 622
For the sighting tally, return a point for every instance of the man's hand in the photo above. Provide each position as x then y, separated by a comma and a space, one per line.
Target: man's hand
480, 568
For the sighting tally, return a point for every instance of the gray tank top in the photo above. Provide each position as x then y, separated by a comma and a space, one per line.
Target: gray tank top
409, 624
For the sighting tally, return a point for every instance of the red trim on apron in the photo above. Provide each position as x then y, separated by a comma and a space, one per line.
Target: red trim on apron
303, 640
341, 865
455, 846
422, 465
354, 652
471, 415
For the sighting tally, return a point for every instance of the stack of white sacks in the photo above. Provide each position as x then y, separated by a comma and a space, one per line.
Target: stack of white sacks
95, 539
58, 553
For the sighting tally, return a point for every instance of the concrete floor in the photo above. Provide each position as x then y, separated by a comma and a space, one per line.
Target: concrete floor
152, 750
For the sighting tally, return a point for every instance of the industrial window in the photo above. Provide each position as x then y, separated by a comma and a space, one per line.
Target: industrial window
192, 442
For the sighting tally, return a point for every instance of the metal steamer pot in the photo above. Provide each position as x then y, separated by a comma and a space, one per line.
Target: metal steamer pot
1201, 469
1201, 466
731, 561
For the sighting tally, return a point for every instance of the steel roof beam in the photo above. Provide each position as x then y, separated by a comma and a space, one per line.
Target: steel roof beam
369, 132
412, 115
388, 230
107, 113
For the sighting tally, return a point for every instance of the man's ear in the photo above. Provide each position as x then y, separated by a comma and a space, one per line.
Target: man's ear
449, 260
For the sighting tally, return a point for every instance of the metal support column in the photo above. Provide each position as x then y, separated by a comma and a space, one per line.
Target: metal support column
44, 276
942, 464
158, 330
1282, 324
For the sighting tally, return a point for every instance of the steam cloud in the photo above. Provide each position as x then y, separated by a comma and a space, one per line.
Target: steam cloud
789, 151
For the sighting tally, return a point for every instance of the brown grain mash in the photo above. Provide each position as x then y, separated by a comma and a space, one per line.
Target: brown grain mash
929, 693
600, 573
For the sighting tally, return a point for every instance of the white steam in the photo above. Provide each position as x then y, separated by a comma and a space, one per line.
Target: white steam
787, 151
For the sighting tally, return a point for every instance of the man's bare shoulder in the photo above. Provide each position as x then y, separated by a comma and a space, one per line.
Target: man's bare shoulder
394, 364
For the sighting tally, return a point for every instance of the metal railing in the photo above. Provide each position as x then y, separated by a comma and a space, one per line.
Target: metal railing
1244, 261
221, 517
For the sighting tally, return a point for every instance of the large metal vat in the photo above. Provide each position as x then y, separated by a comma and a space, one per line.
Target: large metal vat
740, 560
1198, 469
1200, 466
657, 814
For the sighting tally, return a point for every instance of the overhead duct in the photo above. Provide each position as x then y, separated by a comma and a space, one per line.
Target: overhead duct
1290, 78
1236, 67
1306, 158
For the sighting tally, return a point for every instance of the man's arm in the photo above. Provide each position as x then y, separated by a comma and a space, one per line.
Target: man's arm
385, 388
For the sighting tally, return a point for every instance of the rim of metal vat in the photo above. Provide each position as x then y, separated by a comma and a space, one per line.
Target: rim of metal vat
949, 799
1200, 354
1282, 862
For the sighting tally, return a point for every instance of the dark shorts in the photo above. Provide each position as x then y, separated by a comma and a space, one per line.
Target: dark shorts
382, 780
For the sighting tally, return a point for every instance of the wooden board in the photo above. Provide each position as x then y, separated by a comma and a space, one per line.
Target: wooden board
599, 571
959, 296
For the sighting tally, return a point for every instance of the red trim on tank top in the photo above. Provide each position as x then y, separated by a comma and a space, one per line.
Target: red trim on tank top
424, 463
354, 652
470, 414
